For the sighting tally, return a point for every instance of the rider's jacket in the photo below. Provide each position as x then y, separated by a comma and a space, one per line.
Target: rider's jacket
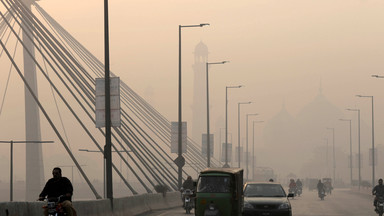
320, 186
292, 185
56, 188
188, 184
378, 190
299, 184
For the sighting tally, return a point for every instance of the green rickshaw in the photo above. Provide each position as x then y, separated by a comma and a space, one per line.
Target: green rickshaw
219, 192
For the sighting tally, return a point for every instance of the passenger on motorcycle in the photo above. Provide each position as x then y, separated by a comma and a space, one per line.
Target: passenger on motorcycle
378, 190
59, 186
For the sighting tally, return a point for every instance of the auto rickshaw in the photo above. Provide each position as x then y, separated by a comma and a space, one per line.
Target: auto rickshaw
219, 192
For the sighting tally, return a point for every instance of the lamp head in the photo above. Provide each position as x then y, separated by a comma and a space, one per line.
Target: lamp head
204, 24
345, 119
375, 75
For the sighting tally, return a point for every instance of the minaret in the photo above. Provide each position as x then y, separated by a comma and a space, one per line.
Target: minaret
34, 156
199, 112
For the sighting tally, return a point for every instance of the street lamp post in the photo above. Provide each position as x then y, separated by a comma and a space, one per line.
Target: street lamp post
208, 135
226, 165
238, 127
350, 144
373, 140
359, 162
334, 156
253, 149
108, 130
220, 147
11, 142
326, 159
180, 152
246, 149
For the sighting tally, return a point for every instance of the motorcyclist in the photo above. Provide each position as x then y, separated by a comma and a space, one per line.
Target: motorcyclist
188, 184
59, 186
292, 186
378, 190
299, 185
320, 187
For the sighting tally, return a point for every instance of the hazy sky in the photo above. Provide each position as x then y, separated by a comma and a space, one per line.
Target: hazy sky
281, 50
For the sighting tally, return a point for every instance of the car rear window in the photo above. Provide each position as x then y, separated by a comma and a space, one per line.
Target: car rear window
214, 184
264, 190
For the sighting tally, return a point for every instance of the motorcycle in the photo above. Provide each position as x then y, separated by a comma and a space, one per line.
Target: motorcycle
54, 207
299, 191
188, 200
380, 205
292, 190
322, 194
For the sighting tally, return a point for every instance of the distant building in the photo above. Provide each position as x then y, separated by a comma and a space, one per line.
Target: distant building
199, 109
293, 140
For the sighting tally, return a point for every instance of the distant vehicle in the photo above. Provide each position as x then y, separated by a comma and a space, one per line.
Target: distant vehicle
312, 183
266, 198
328, 185
219, 192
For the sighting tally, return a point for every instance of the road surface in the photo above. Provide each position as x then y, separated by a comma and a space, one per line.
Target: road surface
342, 202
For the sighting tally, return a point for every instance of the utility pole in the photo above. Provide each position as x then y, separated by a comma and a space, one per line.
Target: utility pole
108, 141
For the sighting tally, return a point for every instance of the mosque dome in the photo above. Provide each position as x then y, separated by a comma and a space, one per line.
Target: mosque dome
280, 130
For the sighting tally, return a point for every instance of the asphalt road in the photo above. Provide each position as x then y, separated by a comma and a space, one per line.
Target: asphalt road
342, 202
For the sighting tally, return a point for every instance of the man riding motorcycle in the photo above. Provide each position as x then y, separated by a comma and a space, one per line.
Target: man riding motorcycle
292, 186
299, 185
188, 184
59, 186
378, 190
320, 187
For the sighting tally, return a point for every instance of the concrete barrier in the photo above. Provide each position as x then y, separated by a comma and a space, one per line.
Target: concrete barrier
126, 206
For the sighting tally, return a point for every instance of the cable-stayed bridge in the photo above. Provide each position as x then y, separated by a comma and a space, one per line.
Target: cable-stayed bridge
70, 70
